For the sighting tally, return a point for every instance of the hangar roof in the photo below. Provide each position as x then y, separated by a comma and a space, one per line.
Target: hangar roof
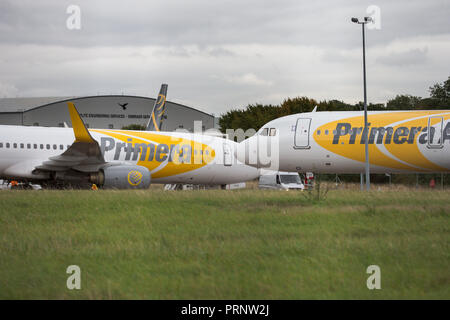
24, 104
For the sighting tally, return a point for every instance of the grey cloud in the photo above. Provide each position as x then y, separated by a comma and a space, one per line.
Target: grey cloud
339, 56
173, 51
411, 57
204, 22
234, 52
220, 52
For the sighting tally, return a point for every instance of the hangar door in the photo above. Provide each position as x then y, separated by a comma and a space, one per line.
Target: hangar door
301, 138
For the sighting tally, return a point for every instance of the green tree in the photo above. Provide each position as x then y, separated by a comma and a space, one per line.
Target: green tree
252, 117
441, 91
403, 102
256, 115
297, 105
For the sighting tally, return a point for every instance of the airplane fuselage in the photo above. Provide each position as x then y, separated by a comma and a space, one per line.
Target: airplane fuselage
171, 157
334, 142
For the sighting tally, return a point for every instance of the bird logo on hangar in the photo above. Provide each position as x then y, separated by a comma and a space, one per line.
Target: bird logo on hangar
123, 105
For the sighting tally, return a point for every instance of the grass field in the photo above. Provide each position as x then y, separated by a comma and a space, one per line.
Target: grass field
215, 244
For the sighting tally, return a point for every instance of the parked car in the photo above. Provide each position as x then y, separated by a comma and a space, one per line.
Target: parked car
281, 180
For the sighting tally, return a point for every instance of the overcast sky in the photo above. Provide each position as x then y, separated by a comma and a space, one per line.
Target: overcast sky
218, 55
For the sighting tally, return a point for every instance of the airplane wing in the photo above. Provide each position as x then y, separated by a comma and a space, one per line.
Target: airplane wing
83, 155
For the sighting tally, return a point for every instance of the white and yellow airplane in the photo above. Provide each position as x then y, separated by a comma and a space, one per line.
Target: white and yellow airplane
117, 158
333, 142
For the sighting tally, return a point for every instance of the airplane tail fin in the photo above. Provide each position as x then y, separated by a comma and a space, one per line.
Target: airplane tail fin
79, 128
156, 117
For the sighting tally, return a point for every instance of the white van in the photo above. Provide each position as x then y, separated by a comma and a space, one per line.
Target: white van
280, 180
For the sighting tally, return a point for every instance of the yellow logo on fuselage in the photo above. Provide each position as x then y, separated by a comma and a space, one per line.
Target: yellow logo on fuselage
134, 178
393, 138
163, 155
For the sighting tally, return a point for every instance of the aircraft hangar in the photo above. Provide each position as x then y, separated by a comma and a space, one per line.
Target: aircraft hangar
103, 112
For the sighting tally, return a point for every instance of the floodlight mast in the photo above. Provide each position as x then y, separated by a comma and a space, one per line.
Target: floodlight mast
366, 129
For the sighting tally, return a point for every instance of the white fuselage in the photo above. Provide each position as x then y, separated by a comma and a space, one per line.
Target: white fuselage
23, 148
333, 142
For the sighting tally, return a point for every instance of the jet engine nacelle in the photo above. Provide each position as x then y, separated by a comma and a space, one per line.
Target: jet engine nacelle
123, 177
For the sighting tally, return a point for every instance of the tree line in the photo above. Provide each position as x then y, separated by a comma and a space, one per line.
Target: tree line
256, 115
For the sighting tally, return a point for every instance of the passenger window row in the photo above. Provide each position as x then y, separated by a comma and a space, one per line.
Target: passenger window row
36, 146
326, 132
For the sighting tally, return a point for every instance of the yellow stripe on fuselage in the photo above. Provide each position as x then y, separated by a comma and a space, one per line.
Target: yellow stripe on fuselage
199, 156
406, 151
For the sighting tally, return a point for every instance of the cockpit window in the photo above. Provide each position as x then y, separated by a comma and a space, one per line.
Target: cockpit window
264, 132
272, 132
